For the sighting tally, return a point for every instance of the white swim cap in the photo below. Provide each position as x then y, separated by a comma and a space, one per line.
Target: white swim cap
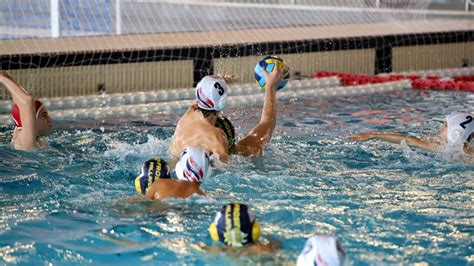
460, 127
193, 165
211, 93
321, 250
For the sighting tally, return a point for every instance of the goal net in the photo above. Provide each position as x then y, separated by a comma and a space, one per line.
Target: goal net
83, 47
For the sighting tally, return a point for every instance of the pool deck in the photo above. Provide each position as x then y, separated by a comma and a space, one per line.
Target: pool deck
139, 42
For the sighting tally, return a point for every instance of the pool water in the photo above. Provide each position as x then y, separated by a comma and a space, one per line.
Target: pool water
386, 203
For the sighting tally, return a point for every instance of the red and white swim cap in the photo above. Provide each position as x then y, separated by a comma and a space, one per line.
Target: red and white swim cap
321, 250
211, 93
16, 112
193, 165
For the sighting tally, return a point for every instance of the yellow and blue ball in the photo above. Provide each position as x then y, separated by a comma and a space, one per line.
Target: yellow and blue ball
268, 63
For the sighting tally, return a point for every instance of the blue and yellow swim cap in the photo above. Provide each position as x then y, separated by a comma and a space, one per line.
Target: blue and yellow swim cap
226, 126
152, 169
235, 226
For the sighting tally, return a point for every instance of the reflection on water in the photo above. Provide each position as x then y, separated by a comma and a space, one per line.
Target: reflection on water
386, 203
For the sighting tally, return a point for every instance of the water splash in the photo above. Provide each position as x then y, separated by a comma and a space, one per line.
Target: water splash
152, 147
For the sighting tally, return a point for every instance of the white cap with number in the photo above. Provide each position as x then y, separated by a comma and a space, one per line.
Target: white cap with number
211, 93
460, 127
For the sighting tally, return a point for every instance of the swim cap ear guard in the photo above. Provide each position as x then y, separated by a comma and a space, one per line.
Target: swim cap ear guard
255, 231
234, 226
152, 170
455, 135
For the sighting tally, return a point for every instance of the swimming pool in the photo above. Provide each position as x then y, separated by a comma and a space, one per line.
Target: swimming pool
386, 203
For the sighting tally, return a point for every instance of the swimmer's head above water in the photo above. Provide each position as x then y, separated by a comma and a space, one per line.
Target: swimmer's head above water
322, 250
194, 165
235, 226
458, 128
43, 120
152, 170
211, 94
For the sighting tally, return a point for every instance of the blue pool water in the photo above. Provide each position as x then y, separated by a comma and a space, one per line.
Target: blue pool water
387, 204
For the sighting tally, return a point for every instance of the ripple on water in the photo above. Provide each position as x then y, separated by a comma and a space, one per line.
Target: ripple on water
386, 203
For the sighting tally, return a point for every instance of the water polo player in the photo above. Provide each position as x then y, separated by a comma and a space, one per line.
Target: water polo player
458, 130
192, 168
322, 250
151, 171
235, 227
30, 116
198, 128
